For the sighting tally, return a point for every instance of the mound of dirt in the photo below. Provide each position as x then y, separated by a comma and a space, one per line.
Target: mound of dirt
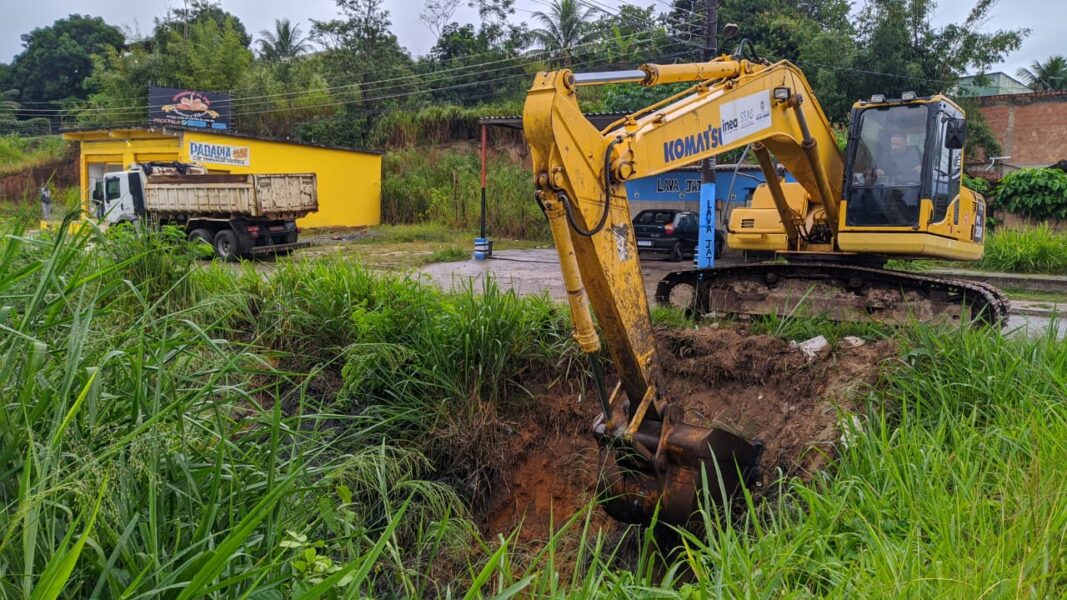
760, 386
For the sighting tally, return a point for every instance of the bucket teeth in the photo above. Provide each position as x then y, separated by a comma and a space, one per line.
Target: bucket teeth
641, 475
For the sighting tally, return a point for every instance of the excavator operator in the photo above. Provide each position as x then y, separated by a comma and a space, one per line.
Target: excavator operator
902, 165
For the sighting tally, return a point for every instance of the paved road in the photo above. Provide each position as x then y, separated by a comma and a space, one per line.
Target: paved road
537, 271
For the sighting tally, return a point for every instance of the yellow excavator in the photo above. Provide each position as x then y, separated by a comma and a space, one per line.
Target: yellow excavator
895, 192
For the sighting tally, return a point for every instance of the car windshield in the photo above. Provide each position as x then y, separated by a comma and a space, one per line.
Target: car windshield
887, 173
654, 217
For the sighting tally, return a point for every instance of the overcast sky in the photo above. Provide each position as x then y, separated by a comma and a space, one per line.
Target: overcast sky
20, 16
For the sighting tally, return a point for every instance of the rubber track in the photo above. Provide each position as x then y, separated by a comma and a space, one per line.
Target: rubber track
989, 303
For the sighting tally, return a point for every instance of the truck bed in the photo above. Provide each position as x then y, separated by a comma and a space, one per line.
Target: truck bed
269, 196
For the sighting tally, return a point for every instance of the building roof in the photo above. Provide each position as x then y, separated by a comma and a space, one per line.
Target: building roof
599, 120
992, 84
96, 133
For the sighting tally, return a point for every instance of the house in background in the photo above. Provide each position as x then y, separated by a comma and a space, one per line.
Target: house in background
991, 84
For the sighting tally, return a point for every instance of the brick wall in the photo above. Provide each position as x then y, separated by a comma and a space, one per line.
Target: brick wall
1031, 128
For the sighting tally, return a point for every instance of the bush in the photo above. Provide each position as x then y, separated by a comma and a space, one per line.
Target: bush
35, 126
1035, 193
979, 185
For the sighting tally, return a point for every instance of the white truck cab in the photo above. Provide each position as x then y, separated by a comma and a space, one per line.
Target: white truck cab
119, 196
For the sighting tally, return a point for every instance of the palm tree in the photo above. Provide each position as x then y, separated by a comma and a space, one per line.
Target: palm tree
567, 25
284, 43
1049, 75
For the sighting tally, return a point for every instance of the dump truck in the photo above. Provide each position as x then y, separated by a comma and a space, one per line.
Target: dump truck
237, 215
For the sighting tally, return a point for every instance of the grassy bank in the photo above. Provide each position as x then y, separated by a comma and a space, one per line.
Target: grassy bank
20, 153
176, 430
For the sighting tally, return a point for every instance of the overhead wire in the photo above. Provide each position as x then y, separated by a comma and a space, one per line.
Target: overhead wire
363, 86
393, 96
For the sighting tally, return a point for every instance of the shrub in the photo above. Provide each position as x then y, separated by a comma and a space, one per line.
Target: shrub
1035, 193
1037, 250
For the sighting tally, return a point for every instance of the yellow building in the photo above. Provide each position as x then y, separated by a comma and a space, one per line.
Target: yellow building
349, 181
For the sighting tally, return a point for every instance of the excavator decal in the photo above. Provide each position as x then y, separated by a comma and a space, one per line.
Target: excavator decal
689, 145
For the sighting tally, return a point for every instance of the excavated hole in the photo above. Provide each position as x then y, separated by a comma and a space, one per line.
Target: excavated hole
758, 385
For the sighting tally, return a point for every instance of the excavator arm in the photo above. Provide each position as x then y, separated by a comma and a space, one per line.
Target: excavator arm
654, 458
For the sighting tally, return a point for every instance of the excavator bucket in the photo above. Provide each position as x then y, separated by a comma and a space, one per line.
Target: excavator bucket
652, 471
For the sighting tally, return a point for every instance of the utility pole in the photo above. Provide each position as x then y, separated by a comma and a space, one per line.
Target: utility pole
711, 49
707, 167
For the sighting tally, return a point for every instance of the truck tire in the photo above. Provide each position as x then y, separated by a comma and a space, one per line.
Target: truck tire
203, 243
226, 245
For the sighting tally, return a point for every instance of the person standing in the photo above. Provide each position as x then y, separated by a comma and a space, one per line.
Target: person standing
46, 202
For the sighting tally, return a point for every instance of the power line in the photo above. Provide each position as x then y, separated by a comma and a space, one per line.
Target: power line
396, 96
365, 86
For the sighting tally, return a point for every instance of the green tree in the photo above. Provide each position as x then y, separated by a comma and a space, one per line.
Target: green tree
630, 36
56, 60
281, 95
462, 49
438, 13
209, 58
566, 25
360, 50
1048, 75
180, 20
284, 43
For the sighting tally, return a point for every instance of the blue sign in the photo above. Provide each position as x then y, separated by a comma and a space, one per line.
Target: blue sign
705, 250
675, 186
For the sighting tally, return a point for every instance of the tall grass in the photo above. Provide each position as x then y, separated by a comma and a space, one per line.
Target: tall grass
176, 432
156, 441
20, 153
443, 186
1032, 250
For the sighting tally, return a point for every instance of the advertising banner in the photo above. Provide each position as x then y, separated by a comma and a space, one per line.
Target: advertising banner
171, 107
219, 154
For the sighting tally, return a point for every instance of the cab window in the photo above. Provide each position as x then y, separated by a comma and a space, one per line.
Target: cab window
885, 181
113, 188
946, 176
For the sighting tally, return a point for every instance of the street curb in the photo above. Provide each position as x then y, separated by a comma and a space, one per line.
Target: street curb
1037, 312
1016, 281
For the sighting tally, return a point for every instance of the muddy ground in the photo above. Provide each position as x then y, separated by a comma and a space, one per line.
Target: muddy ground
758, 385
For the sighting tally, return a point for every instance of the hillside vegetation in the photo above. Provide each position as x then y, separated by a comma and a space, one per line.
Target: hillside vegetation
18, 154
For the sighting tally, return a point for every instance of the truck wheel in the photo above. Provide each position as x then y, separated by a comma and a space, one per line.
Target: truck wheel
226, 245
202, 242
676, 252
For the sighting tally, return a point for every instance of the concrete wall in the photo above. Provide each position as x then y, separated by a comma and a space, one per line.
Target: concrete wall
1013, 222
1031, 128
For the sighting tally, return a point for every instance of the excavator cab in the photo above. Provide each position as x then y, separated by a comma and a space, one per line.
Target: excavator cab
902, 193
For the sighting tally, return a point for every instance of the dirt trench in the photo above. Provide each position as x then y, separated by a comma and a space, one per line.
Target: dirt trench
758, 385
